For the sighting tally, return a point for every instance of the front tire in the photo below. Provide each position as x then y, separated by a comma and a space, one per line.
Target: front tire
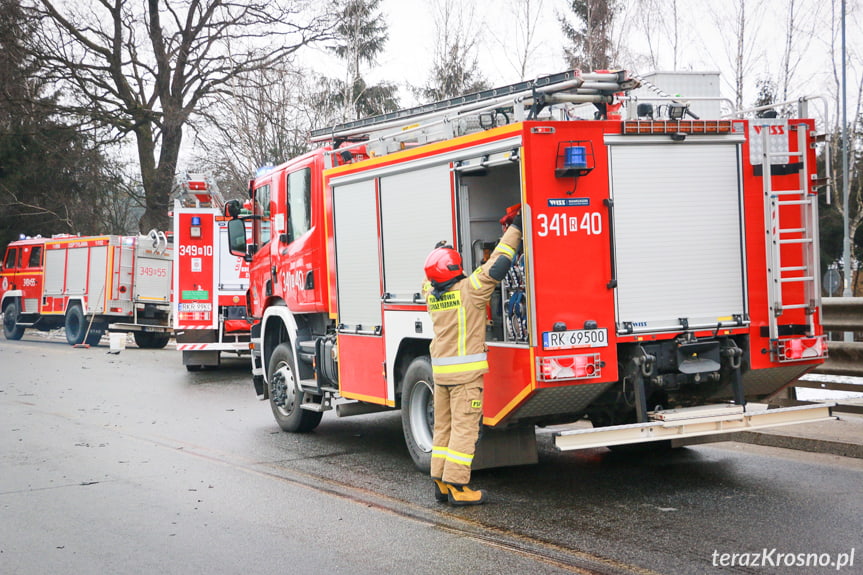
76, 327
418, 411
285, 397
11, 329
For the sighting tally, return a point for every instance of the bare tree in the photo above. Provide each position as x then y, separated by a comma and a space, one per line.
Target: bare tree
801, 21
145, 68
520, 46
740, 20
855, 136
659, 21
264, 120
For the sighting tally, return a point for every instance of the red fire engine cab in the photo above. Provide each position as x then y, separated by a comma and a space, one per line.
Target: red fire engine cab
89, 285
667, 287
209, 283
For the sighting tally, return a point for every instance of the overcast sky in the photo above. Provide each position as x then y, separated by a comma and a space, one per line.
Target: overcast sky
409, 52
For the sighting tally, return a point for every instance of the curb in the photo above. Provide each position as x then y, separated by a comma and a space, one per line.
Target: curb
799, 443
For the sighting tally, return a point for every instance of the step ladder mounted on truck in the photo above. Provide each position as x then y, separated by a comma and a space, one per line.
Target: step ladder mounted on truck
666, 289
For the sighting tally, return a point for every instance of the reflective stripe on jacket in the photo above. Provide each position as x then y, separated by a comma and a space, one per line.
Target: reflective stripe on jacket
458, 349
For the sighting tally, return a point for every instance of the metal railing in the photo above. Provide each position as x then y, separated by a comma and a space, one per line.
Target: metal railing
843, 314
839, 315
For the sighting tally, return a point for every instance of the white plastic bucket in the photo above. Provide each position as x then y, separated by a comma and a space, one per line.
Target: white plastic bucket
117, 341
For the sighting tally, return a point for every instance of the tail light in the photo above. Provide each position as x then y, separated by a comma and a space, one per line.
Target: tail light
800, 349
563, 367
193, 316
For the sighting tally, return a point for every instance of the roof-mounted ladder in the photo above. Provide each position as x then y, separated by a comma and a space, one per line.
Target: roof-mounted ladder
197, 191
524, 100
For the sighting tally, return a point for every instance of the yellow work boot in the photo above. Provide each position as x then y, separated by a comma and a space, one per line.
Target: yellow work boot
464, 495
441, 492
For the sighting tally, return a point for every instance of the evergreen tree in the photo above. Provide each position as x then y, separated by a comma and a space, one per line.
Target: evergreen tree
589, 35
360, 37
52, 178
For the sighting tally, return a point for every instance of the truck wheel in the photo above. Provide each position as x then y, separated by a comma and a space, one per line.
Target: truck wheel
76, 327
151, 340
285, 398
11, 329
418, 411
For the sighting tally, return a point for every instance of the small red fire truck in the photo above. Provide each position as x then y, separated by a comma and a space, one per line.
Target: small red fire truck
89, 285
667, 287
209, 283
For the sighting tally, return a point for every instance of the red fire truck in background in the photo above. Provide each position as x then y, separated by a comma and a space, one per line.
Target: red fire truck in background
209, 283
668, 284
89, 285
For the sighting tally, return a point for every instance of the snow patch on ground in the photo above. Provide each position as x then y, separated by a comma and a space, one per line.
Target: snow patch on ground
810, 394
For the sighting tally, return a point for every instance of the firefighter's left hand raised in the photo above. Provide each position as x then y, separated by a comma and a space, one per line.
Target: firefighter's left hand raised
512, 217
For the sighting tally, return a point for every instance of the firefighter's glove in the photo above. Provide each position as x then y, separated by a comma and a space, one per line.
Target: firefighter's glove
511, 213
516, 222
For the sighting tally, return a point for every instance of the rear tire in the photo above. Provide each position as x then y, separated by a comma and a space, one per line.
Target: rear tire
11, 329
76, 327
151, 340
418, 411
285, 397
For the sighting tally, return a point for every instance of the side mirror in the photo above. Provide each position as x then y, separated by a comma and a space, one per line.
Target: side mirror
237, 237
232, 208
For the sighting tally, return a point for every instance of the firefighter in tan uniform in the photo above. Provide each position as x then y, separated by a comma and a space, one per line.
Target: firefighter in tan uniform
457, 306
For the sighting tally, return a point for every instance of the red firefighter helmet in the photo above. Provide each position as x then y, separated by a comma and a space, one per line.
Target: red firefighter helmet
443, 264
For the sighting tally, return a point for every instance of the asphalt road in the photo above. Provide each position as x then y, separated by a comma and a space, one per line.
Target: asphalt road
129, 464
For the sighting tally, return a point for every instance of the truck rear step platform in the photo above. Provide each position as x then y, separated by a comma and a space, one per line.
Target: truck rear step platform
692, 422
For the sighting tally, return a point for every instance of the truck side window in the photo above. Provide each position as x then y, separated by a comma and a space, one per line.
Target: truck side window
11, 257
262, 208
35, 257
299, 203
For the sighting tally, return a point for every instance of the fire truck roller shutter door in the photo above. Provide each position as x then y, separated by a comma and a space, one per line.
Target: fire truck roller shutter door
359, 284
416, 213
678, 234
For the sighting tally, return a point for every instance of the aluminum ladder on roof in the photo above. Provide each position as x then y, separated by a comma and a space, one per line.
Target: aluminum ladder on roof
572, 86
804, 236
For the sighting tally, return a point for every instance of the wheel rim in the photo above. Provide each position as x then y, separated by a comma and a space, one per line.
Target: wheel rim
422, 414
283, 391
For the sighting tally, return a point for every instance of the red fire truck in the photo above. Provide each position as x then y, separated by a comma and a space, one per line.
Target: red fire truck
89, 285
668, 284
209, 283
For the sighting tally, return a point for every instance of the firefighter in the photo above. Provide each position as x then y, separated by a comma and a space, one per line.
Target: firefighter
457, 306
